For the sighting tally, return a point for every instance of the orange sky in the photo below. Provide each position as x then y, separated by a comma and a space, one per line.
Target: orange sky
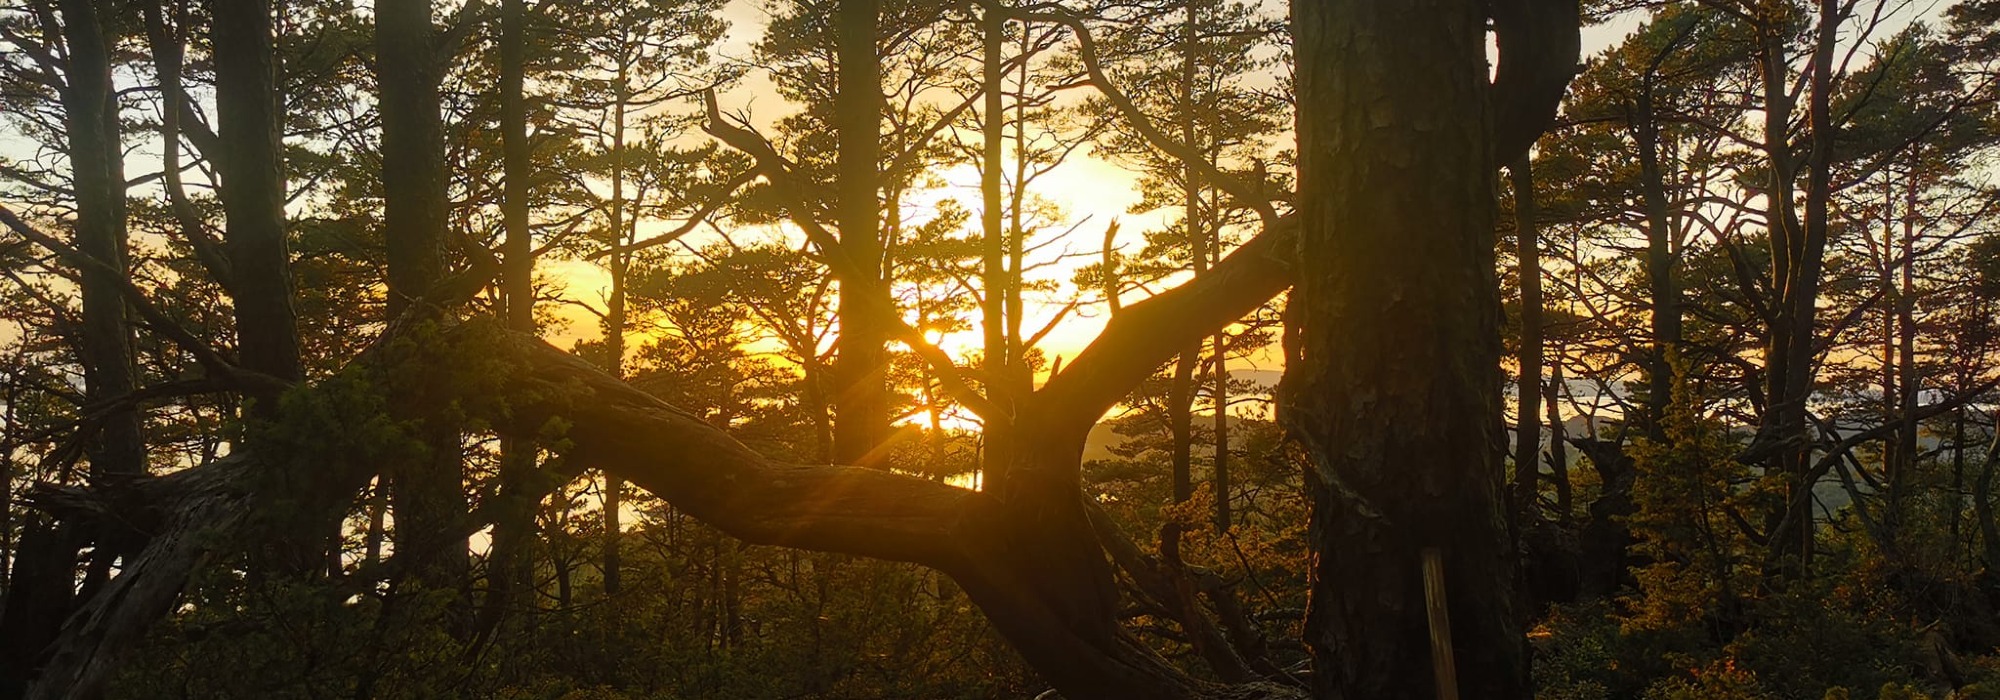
1091, 190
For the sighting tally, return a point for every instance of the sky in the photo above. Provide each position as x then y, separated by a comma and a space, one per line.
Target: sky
1092, 191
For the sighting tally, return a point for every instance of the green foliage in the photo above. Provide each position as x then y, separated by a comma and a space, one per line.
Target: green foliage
714, 620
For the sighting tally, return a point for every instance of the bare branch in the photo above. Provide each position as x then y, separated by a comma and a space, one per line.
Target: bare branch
1248, 194
790, 187
209, 358
1147, 333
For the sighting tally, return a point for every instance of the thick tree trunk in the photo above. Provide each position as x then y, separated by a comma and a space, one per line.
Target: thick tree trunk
426, 492
250, 118
1797, 260
42, 590
1395, 399
98, 176
860, 372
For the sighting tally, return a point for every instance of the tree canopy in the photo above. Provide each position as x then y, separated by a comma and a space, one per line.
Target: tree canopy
1084, 349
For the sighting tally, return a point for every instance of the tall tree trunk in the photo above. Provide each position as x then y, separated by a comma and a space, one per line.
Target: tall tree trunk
514, 527
1020, 377
250, 119
1797, 260
42, 590
860, 371
518, 276
250, 116
426, 493
1219, 476
1394, 398
1180, 398
98, 176
998, 433
1660, 280
1891, 401
1910, 384
614, 326
1528, 435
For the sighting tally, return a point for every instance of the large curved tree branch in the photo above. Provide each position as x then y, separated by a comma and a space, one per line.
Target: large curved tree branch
1145, 334
999, 555
1002, 556
702, 471
184, 513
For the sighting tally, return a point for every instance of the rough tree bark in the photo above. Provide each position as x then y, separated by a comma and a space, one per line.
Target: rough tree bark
43, 589
97, 166
860, 371
426, 493
1797, 260
249, 116
249, 119
1393, 394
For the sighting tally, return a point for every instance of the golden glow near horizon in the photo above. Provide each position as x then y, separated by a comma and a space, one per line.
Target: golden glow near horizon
1093, 194
1090, 191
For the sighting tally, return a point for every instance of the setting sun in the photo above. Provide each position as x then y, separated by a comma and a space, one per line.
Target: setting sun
995, 349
